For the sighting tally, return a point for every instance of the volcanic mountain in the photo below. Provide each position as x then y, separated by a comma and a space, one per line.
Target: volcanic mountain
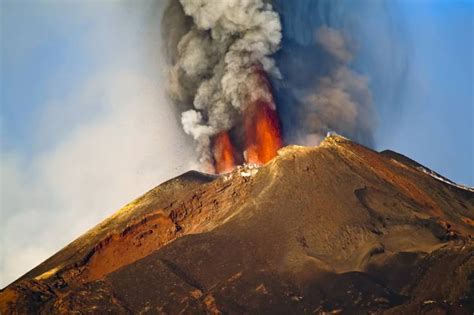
337, 228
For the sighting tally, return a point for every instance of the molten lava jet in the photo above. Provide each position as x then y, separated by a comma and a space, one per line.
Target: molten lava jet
223, 153
262, 133
260, 129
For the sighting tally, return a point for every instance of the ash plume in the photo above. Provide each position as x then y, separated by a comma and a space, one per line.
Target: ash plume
328, 47
213, 47
337, 100
310, 50
320, 92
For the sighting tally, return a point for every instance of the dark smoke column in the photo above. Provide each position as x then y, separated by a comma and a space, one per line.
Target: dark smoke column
323, 89
220, 55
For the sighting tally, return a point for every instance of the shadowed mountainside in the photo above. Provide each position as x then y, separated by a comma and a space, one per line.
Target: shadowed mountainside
335, 228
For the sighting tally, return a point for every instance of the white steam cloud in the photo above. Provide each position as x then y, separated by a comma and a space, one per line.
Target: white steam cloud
213, 63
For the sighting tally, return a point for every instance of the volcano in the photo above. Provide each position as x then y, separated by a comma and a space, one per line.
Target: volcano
332, 229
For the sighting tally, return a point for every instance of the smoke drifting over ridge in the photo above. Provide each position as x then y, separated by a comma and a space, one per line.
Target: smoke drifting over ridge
321, 93
221, 54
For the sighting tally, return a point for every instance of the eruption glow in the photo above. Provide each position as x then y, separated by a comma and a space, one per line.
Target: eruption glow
262, 128
262, 134
223, 153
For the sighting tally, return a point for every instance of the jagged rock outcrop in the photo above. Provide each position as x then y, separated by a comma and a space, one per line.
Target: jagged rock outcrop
336, 228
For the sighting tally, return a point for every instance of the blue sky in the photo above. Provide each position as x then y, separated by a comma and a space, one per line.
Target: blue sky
82, 96
437, 115
39, 47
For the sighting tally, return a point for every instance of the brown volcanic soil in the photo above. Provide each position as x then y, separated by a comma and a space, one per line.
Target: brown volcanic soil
332, 229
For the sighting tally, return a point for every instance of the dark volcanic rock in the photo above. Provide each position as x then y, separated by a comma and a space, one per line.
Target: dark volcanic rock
332, 229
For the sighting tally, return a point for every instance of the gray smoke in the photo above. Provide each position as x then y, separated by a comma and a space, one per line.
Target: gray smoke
213, 55
338, 100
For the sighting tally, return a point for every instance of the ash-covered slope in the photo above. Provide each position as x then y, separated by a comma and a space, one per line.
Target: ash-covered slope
334, 228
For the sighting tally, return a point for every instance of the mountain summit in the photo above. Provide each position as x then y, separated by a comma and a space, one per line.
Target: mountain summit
337, 228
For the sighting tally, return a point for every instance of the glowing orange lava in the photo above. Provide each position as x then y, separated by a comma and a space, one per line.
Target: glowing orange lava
262, 132
223, 153
257, 136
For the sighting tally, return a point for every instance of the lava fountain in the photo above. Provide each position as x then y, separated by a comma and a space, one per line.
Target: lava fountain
262, 132
259, 127
223, 153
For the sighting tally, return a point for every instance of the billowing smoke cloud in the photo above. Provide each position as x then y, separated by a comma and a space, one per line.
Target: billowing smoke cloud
332, 97
216, 56
329, 47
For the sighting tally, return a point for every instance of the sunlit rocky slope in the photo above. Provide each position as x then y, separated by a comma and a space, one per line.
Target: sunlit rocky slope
336, 228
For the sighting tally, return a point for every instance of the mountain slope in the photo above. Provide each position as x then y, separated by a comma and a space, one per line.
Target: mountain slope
334, 228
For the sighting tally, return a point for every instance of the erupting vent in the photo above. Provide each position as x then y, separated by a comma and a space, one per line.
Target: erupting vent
220, 69
222, 55
259, 127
